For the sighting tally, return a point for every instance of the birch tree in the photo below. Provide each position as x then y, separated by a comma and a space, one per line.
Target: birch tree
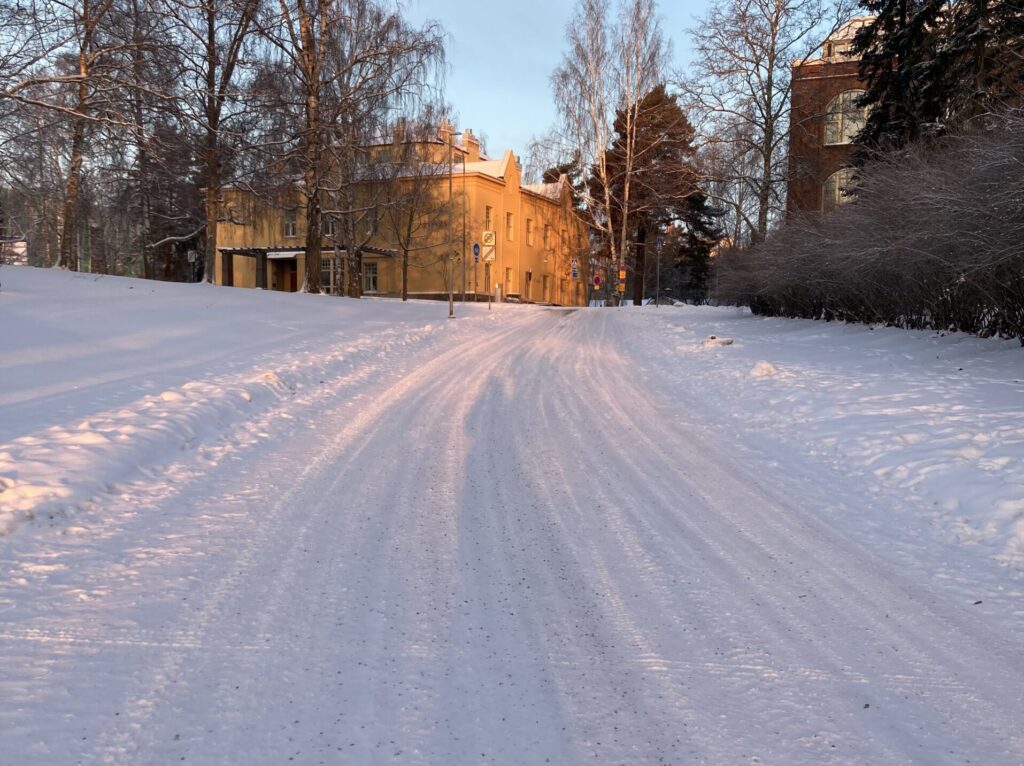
213, 37
353, 62
613, 59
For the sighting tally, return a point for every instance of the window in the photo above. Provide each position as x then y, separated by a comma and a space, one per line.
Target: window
328, 277
508, 281
837, 189
844, 119
529, 232
329, 226
290, 226
369, 276
488, 211
510, 226
547, 236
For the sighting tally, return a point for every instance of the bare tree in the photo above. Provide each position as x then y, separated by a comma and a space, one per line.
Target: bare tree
381, 66
353, 62
213, 37
415, 208
738, 90
610, 65
57, 64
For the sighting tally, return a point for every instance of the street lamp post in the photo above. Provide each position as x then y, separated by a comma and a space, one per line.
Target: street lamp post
449, 266
465, 202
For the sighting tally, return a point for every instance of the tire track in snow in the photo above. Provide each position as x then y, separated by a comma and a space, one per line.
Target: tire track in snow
746, 530
339, 468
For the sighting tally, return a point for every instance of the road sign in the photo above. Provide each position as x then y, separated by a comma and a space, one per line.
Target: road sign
622, 275
597, 282
476, 252
490, 239
575, 269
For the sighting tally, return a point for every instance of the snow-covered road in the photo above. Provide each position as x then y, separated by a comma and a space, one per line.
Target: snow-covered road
504, 546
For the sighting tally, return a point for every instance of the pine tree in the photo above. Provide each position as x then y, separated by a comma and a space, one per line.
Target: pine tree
661, 175
903, 72
984, 56
931, 65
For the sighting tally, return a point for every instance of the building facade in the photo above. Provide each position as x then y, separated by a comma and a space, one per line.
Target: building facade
824, 120
540, 249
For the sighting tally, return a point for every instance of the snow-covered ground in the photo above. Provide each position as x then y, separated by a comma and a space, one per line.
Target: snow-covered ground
255, 528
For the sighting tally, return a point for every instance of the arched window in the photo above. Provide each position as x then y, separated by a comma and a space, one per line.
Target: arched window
837, 189
843, 118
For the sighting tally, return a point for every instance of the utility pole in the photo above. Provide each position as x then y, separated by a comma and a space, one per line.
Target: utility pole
450, 265
465, 202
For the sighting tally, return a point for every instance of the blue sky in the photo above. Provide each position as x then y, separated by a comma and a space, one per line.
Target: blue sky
509, 105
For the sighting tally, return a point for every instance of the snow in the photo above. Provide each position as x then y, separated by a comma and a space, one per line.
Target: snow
256, 528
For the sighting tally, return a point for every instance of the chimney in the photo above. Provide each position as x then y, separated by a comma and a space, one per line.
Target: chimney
472, 145
446, 132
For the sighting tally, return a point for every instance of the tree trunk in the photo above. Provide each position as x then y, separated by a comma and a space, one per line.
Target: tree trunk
311, 71
68, 256
405, 273
640, 263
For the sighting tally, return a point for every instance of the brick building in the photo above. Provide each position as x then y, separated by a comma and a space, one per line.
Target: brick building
824, 119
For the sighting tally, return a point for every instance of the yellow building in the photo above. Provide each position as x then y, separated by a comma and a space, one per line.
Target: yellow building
540, 251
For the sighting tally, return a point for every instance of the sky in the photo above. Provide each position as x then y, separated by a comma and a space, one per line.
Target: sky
501, 54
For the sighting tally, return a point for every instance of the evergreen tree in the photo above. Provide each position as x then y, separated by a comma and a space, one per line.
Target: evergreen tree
983, 56
933, 64
659, 177
903, 72
573, 171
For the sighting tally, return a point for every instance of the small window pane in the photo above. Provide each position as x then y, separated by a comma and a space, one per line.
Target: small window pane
837, 189
844, 119
369, 276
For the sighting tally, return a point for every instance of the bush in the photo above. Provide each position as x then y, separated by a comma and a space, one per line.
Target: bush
934, 239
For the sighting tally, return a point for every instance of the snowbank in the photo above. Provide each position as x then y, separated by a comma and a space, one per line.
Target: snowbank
933, 421
102, 378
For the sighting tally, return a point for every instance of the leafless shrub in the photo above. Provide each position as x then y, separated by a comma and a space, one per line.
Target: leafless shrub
934, 239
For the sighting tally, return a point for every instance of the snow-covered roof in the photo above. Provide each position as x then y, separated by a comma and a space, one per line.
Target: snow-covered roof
493, 168
551, 191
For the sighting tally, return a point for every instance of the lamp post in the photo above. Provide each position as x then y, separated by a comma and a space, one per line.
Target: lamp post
449, 270
465, 202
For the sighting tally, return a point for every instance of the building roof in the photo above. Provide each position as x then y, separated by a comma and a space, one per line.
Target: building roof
848, 30
285, 253
838, 46
551, 191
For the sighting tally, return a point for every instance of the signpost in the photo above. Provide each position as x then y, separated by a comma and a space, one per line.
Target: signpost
489, 239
